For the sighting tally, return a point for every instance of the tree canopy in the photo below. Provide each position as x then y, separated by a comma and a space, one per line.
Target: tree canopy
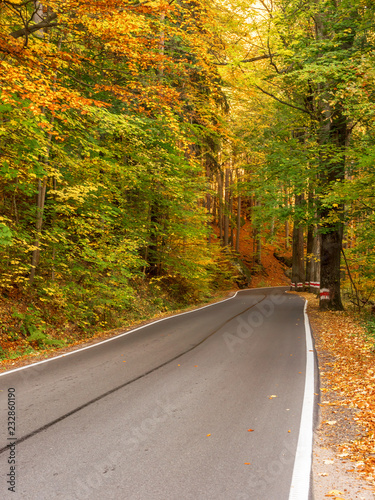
129, 129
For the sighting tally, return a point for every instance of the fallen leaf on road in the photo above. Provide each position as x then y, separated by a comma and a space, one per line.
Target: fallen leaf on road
331, 422
247, 463
328, 462
322, 474
333, 493
208, 435
250, 430
273, 396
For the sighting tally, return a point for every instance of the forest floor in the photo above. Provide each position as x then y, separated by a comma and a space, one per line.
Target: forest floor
272, 271
344, 448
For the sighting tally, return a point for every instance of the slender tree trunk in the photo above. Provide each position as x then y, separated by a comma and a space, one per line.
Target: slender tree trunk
298, 271
287, 225
238, 230
258, 242
161, 45
41, 198
214, 209
258, 251
298, 268
309, 256
231, 208
154, 250
315, 264
226, 208
220, 204
208, 205
41, 194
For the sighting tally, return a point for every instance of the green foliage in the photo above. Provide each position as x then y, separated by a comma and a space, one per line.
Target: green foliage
369, 325
100, 222
32, 326
5, 235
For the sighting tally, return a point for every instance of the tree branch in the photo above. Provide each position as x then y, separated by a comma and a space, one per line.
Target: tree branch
351, 279
46, 23
284, 102
253, 59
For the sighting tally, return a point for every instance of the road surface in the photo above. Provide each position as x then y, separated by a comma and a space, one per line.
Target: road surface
202, 405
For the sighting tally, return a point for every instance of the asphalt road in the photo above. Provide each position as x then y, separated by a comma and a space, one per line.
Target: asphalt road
202, 405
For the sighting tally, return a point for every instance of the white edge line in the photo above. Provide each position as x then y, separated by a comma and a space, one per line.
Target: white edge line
128, 332
115, 337
300, 486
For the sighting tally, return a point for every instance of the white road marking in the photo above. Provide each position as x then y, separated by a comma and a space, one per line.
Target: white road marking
113, 338
300, 487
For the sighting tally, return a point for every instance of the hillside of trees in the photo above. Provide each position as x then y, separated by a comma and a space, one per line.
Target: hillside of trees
130, 130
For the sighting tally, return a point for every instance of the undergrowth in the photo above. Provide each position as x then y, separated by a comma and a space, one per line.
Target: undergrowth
54, 316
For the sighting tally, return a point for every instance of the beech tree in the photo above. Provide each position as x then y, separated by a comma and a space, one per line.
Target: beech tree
305, 58
104, 109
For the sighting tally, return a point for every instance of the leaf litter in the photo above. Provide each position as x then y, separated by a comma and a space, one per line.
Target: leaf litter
347, 362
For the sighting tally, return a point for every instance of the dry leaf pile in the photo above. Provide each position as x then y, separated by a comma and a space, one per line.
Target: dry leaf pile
348, 380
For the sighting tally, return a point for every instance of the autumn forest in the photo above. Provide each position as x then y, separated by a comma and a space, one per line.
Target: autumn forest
137, 138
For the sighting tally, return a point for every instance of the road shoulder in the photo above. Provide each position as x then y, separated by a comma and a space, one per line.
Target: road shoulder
335, 473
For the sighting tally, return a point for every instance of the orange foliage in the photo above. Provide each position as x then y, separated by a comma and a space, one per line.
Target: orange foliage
88, 50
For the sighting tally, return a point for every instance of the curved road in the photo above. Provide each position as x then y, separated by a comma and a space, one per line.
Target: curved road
201, 405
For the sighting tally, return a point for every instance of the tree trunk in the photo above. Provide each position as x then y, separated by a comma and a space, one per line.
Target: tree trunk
238, 231
331, 245
226, 208
258, 251
335, 132
214, 205
258, 242
231, 209
287, 244
309, 257
220, 204
154, 247
315, 264
42, 186
41, 198
287, 225
298, 271
298, 268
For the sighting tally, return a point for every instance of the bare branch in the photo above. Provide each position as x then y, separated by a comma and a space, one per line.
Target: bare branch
46, 23
253, 59
284, 102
